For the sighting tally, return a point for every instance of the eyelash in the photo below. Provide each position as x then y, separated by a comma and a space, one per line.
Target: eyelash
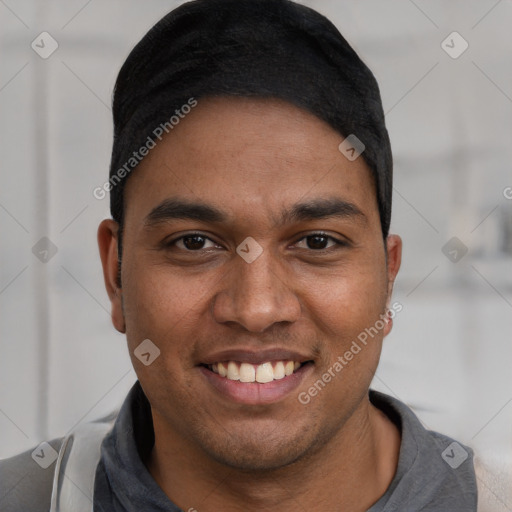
338, 243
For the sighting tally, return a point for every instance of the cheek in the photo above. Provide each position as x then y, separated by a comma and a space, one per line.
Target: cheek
348, 308
151, 306
165, 307
351, 298
159, 310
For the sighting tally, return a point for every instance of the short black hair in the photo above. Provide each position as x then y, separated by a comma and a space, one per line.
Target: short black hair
248, 48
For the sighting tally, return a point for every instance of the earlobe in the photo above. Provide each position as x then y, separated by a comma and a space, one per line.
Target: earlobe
107, 243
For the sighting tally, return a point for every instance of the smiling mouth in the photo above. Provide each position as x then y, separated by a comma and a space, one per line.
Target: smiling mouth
260, 373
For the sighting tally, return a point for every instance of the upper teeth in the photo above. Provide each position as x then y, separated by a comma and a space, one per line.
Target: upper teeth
262, 373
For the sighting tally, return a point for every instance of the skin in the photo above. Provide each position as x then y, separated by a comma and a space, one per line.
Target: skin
252, 159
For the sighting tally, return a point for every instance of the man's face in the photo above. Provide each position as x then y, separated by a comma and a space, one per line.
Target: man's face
271, 172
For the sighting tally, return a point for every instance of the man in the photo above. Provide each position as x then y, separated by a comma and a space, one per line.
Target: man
250, 264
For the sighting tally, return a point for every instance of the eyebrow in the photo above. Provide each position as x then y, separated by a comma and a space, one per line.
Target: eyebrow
317, 209
322, 209
170, 209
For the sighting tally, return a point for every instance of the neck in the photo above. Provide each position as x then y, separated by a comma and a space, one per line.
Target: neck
352, 470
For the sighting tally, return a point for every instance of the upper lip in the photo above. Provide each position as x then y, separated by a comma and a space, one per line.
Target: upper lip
255, 356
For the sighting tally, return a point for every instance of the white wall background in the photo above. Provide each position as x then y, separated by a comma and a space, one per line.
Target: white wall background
450, 121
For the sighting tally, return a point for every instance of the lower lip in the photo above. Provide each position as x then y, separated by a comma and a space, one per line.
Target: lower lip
254, 393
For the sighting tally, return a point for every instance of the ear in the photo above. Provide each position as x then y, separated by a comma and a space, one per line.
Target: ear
107, 242
394, 259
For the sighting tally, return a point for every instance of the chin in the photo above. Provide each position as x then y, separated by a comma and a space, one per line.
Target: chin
257, 460
264, 452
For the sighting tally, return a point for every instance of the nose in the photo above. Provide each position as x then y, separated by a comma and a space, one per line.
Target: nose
257, 295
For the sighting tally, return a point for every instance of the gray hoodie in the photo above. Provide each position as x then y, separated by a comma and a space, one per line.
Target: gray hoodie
434, 474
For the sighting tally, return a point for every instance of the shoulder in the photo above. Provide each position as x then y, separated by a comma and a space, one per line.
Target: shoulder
434, 470
26, 484
451, 470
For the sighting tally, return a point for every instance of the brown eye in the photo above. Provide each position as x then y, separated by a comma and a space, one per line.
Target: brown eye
190, 243
194, 242
317, 241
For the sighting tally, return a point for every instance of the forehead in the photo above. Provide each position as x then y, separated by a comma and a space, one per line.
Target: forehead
246, 155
